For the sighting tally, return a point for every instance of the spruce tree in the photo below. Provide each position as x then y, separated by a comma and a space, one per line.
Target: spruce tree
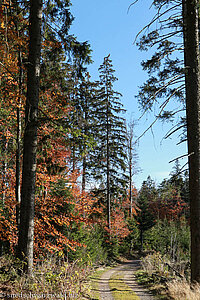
165, 68
87, 124
26, 227
178, 79
109, 165
192, 83
144, 216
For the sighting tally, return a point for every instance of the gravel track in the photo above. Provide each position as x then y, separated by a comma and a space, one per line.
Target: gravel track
126, 272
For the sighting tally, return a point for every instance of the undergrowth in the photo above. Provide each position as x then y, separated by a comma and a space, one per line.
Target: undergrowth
181, 289
51, 278
167, 279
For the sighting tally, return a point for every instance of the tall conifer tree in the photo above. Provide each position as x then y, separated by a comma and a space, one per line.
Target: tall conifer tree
110, 155
26, 228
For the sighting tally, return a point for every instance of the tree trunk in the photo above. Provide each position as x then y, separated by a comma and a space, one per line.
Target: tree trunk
84, 147
192, 77
26, 228
18, 150
108, 169
130, 177
141, 240
130, 155
4, 174
83, 174
19, 122
73, 156
4, 167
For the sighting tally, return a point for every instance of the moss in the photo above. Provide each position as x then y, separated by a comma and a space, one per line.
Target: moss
94, 284
120, 290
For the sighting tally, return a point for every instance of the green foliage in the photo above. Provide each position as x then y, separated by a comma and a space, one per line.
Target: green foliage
93, 249
144, 216
132, 241
165, 68
171, 238
52, 276
109, 155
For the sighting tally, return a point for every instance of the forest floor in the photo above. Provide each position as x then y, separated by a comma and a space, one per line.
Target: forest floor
120, 283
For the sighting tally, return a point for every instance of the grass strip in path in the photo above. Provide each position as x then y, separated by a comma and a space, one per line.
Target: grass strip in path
120, 290
94, 283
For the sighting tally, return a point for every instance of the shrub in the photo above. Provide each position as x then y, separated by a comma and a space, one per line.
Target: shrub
53, 276
93, 247
171, 238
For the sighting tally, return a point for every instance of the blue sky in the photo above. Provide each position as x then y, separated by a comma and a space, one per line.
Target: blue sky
111, 29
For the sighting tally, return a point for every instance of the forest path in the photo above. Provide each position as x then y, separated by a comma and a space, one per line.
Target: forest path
124, 272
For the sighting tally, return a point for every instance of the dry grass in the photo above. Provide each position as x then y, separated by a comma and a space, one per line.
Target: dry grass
181, 290
155, 263
52, 278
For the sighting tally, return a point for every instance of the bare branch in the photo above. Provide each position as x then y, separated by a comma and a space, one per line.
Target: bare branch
185, 155
175, 130
182, 141
131, 5
156, 17
158, 116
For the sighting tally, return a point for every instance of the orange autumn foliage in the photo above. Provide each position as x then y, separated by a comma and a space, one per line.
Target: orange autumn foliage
52, 214
59, 201
170, 208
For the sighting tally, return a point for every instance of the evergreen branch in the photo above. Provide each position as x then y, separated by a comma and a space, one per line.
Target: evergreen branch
172, 18
165, 36
150, 127
156, 17
158, 116
181, 170
158, 91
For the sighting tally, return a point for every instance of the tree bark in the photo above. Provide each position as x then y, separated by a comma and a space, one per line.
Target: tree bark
108, 163
130, 158
84, 174
26, 228
192, 80
18, 150
84, 146
141, 240
108, 181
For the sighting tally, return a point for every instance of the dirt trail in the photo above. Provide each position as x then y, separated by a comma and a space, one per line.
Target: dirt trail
125, 271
